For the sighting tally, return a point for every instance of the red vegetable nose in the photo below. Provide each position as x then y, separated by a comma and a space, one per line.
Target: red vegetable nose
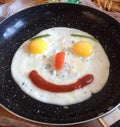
59, 61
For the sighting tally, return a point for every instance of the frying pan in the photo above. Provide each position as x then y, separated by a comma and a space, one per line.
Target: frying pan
27, 23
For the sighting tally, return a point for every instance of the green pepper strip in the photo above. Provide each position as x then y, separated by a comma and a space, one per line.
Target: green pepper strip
40, 36
84, 36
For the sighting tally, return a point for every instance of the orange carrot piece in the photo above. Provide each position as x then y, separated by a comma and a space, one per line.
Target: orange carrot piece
59, 60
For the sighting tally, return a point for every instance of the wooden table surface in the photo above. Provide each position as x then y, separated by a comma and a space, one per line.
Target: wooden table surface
8, 119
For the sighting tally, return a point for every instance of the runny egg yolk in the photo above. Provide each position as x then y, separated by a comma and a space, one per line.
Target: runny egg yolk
83, 49
38, 46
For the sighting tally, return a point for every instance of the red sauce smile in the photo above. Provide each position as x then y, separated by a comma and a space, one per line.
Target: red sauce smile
45, 85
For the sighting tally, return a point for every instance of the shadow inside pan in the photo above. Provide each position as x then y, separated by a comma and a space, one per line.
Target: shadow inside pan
25, 24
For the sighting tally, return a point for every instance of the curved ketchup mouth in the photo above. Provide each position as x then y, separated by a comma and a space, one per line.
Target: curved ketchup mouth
52, 87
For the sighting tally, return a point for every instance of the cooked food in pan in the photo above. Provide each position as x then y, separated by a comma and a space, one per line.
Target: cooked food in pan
108, 5
61, 66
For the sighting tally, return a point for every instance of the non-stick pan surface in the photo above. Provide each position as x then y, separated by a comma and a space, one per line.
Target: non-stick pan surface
23, 25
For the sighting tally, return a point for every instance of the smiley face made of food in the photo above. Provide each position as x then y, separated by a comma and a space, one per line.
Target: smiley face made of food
60, 66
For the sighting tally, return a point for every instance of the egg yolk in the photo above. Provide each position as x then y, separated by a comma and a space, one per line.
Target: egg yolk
83, 49
38, 46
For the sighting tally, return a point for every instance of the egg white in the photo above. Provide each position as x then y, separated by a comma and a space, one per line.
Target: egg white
76, 67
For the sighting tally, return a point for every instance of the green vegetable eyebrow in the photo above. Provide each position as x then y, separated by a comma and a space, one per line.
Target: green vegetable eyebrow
84, 36
40, 36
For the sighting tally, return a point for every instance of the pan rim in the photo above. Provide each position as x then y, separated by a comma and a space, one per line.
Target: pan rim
44, 123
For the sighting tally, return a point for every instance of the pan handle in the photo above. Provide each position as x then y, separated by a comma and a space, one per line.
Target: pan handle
111, 119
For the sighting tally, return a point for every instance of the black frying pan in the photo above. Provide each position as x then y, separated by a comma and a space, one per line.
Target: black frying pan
25, 24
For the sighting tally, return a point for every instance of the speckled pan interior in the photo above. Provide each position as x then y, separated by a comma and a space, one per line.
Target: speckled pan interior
23, 25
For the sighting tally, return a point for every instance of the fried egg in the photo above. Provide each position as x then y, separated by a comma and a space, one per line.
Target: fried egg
83, 55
